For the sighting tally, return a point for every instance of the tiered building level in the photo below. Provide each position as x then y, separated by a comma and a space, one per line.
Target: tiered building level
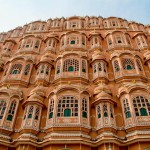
77, 83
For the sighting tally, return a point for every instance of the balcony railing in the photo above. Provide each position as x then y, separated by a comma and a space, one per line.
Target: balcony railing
70, 46
71, 74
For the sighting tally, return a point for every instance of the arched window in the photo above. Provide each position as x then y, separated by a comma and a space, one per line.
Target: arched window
141, 106
28, 27
83, 40
143, 41
105, 24
51, 108
104, 67
113, 23
83, 66
27, 43
138, 42
128, 64
62, 42
43, 26
2, 108
27, 69
94, 68
111, 112
37, 112
116, 66
119, 39
67, 106
109, 41
126, 108
99, 66
16, 69
11, 111
139, 64
49, 42
47, 70
42, 69
84, 108
96, 40
105, 110
54, 43
8, 46
99, 112
30, 113
71, 65
37, 43
58, 68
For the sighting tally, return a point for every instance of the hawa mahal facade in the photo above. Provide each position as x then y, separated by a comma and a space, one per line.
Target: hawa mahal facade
77, 83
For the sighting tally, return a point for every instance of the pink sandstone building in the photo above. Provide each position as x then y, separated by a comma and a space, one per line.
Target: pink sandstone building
77, 83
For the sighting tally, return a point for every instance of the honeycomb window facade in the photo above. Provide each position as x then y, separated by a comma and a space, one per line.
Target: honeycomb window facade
75, 83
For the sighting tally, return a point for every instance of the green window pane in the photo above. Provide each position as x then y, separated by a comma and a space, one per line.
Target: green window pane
129, 67
9, 117
83, 70
128, 114
72, 42
36, 117
15, 72
30, 116
143, 112
99, 115
84, 114
58, 71
50, 115
70, 69
67, 113
105, 114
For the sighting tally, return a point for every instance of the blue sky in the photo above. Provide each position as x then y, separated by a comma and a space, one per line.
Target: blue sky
15, 13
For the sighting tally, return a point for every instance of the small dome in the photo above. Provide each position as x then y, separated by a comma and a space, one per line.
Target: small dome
37, 95
39, 91
102, 92
97, 55
103, 95
101, 87
47, 58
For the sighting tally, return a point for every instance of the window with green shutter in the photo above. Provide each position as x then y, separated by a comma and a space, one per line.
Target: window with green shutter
50, 115
67, 112
84, 114
9, 117
143, 112
70, 68
72, 42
